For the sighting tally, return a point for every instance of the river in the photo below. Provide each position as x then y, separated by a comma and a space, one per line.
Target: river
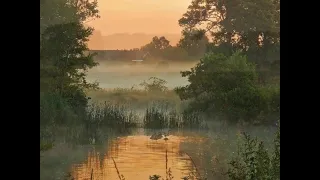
136, 157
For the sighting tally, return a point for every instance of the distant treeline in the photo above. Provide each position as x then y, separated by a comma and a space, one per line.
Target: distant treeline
118, 54
159, 49
172, 53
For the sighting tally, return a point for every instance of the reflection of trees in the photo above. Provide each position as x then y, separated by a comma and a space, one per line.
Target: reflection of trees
136, 154
93, 164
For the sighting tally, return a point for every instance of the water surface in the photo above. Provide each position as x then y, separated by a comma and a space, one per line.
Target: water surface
137, 157
187, 152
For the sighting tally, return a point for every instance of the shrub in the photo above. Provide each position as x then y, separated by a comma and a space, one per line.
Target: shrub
54, 109
253, 161
154, 84
227, 86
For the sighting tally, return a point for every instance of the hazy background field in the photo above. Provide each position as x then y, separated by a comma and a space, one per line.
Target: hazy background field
124, 75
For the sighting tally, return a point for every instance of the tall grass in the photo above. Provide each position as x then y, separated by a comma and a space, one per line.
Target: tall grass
155, 118
158, 117
110, 115
55, 112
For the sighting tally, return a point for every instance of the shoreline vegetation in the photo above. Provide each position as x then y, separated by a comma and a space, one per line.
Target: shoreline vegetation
236, 80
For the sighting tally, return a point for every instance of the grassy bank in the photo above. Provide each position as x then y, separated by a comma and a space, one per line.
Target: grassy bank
107, 109
135, 97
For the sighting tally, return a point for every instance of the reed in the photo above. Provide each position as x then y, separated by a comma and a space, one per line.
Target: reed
118, 172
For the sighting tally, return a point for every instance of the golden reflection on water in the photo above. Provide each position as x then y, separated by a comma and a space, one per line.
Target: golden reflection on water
137, 158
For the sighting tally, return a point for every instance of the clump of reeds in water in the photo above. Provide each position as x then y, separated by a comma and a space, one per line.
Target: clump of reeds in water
155, 117
111, 115
159, 116
174, 119
191, 119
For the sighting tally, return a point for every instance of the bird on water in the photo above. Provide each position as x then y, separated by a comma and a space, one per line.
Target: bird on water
159, 135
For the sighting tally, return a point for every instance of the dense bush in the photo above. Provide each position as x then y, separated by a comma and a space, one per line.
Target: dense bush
227, 86
54, 109
63, 58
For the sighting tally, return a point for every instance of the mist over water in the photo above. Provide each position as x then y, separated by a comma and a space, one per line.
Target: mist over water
126, 75
137, 157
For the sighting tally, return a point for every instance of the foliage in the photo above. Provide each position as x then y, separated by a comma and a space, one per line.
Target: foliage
271, 94
186, 49
194, 42
174, 53
63, 63
251, 26
45, 146
55, 110
224, 82
155, 84
63, 58
226, 86
156, 46
157, 43
254, 162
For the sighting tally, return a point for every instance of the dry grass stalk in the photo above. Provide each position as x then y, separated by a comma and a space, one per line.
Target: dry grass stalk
115, 165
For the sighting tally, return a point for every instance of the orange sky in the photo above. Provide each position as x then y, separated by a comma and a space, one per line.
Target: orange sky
140, 16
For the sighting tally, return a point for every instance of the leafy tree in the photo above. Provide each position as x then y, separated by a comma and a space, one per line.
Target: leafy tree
195, 46
229, 83
225, 85
156, 46
63, 47
175, 53
252, 26
54, 12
